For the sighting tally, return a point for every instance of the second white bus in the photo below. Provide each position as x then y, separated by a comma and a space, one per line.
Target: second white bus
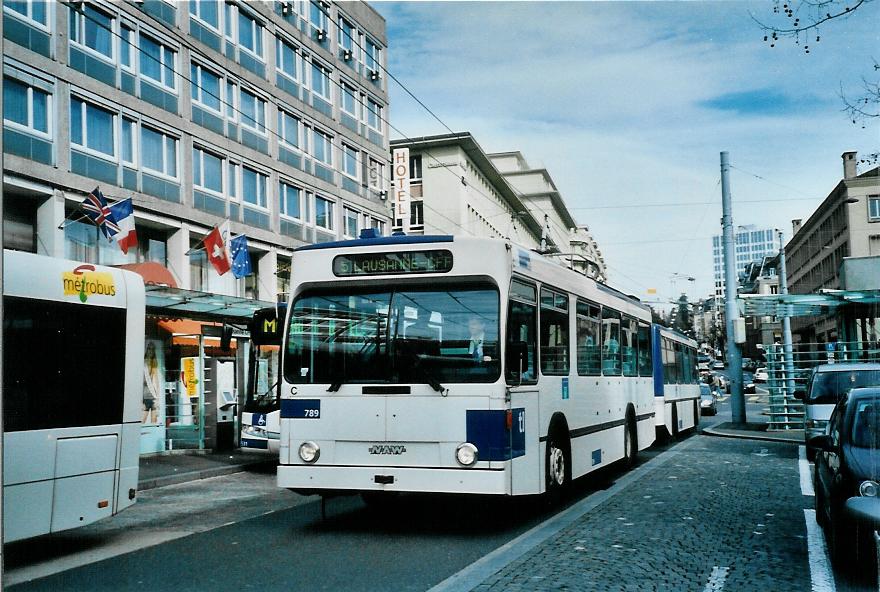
457, 365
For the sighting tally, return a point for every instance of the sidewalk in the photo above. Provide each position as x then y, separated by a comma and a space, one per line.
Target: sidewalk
753, 431
169, 468
715, 513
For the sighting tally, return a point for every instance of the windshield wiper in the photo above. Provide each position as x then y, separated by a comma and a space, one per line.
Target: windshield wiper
428, 376
334, 386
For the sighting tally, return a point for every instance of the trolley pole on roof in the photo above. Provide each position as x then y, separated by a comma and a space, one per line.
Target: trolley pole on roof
731, 312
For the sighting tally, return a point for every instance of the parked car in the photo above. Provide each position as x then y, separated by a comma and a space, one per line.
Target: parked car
761, 375
718, 365
708, 400
846, 467
827, 385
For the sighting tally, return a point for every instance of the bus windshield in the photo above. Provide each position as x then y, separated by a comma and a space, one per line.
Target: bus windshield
406, 336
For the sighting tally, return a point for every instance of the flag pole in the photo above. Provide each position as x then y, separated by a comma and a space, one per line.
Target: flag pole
196, 248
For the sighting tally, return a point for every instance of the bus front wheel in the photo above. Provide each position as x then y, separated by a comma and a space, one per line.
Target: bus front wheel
630, 442
558, 464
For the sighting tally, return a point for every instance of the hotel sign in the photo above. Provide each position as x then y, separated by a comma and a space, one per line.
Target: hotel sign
400, 163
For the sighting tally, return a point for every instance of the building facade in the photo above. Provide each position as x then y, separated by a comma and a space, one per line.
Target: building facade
271, 115
562, 234
457, 188
846, 225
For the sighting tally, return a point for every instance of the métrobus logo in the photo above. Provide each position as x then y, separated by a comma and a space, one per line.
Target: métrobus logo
84, 281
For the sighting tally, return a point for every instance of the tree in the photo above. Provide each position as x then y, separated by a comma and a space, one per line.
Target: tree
683, 320
801, 21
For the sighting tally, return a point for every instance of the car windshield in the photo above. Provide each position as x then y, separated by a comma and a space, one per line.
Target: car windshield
866, 424
407, 336
829, 387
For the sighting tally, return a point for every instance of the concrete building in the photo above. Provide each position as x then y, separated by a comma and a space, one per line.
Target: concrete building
845, 227
456, 189
268, 114
752, 244
563, 235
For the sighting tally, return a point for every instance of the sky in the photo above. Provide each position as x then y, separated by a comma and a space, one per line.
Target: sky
628, 105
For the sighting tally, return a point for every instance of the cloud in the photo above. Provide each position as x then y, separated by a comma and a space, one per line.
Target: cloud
628, 103
763, 102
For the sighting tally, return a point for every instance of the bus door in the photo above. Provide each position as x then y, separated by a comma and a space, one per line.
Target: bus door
524, 428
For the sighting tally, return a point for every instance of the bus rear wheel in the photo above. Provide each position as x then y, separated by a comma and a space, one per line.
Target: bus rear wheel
558, 465
630, 442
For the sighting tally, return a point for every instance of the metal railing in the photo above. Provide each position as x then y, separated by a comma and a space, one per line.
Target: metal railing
787, 377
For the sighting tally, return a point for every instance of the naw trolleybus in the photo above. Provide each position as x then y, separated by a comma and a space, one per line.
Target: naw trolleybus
676, 382
457, 365
73, 376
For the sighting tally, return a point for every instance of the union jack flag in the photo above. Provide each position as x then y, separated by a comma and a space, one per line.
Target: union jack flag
100, 213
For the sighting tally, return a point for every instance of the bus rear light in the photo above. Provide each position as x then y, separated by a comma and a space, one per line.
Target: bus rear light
103, 503
509, 420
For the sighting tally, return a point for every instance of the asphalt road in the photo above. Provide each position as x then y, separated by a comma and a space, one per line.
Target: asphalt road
217, 535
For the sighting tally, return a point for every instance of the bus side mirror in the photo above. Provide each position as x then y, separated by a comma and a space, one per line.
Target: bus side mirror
517, 357
799, 395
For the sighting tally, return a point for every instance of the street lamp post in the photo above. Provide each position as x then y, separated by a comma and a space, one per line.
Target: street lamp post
734, 356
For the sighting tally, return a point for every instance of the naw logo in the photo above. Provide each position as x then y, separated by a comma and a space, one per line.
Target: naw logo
84, 281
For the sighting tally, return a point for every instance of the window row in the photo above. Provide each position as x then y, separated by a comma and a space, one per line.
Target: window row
608, 342
115, 135
98, 33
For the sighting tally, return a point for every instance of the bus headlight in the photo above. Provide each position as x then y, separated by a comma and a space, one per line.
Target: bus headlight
869, 489
466, 454
309, 452
255, 431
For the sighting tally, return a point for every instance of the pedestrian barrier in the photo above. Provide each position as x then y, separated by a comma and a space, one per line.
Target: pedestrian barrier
789, 376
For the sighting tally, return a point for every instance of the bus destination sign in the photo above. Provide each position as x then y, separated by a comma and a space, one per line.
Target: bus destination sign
401, 262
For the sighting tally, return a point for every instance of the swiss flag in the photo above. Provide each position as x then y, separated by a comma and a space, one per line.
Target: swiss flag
215, 247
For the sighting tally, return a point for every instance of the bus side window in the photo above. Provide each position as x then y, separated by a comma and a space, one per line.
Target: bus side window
611, 342
645, 365
589, 339
521, 322
554, 332
629, 347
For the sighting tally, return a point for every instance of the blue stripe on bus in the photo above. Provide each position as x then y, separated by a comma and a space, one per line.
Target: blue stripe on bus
301, 408
401, 239
487, 430
252, 443
657, 358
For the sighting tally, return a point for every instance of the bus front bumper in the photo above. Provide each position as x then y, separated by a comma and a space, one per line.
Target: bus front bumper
403, 479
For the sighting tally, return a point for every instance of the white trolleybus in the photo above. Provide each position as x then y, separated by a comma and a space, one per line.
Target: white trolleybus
73, 359
457, 365
676, 382
260, 417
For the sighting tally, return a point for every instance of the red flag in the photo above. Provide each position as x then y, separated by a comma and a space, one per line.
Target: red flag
216, 250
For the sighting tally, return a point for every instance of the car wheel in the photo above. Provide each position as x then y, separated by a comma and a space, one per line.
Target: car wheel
841, 539
558, 465
811, 454
821, 515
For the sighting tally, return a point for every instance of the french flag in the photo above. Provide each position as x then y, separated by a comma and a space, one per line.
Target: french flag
124, 214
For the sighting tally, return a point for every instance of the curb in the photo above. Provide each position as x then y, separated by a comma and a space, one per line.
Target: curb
711, 432
195, 475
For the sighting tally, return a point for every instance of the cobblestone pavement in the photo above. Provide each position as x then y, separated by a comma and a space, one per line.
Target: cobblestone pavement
720, 513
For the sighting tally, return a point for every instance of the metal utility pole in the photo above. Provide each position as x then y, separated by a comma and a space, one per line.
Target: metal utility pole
734, 357
787, 349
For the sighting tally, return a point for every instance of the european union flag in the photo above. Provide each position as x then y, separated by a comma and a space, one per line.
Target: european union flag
241, 260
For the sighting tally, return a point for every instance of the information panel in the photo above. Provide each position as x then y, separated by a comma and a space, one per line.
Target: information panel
405, 262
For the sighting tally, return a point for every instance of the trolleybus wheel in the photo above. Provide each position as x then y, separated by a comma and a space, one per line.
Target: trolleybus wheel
630, 442
558, 464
